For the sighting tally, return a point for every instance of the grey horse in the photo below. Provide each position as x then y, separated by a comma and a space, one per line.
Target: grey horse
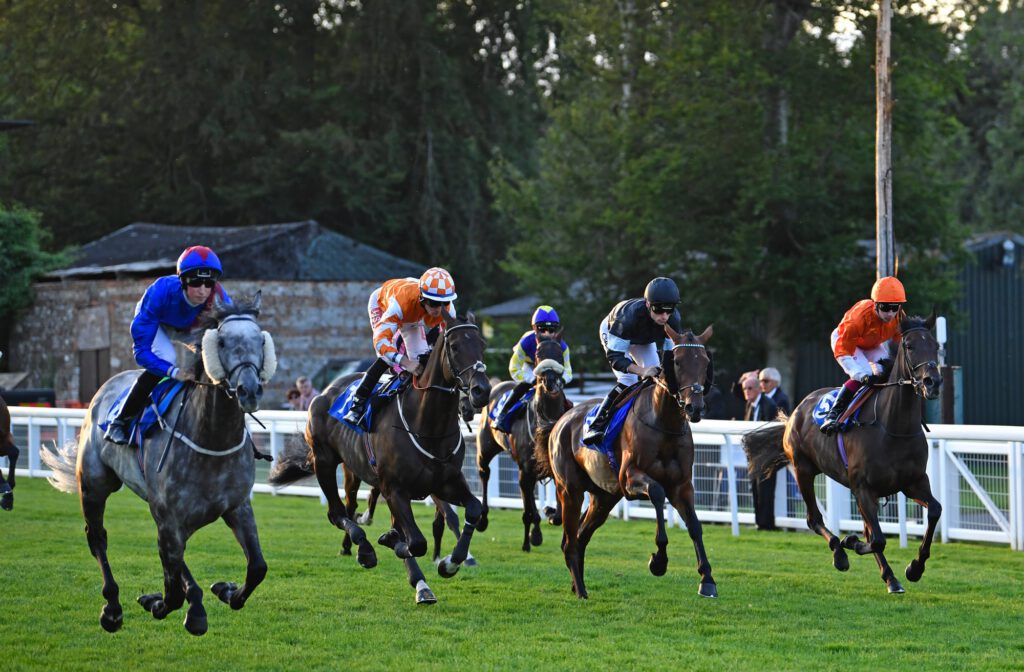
198, 465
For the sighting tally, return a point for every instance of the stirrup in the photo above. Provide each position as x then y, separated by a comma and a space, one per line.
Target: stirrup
117, 432
356, 412
592, 437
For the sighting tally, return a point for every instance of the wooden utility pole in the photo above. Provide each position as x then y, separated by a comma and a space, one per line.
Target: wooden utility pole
885, 248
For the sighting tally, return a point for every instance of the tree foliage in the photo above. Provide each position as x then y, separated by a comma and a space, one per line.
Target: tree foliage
23, 260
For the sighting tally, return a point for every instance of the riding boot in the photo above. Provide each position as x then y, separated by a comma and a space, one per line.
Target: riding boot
118, 431
831, 423
363, 392
500, 422
595, 434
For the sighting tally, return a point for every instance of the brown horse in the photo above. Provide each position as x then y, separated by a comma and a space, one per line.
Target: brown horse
10, 451
415, 451
548, 404
886, 450
655, 451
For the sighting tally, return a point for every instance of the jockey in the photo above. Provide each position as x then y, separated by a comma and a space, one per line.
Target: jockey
169, 309
630, 336
546, 326
409, 307
859, 341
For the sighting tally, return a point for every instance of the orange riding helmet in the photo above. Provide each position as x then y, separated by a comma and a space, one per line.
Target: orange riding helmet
888, 290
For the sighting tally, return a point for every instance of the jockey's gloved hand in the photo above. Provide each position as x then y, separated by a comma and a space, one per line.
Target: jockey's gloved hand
183, 375
877, 368
864, 378
651, 372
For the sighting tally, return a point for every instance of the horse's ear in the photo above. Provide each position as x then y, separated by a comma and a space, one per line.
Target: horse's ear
707, 334
671, 333
257, 300
218, 303
930, 322
470, 317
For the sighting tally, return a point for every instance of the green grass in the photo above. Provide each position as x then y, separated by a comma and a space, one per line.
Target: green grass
781, 604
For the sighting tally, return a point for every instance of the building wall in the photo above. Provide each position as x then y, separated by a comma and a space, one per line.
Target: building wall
311, 322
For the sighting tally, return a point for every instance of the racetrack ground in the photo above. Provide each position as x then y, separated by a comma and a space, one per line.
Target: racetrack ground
781, 607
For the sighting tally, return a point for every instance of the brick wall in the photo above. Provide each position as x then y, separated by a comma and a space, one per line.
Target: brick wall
311, 322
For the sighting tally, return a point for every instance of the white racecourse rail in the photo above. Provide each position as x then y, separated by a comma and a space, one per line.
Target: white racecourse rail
976, 471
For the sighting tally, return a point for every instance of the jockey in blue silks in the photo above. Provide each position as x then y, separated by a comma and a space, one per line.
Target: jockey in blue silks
546, 327
168, 310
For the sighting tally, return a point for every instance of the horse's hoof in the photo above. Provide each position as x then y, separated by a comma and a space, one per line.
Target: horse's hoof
840, 560
345, 550
196, 625
914, 571
111, 617
658, 564
707, 589
364, 518
526, 547
850, 542
471, 561
223, 590
425, 596
894, 587
481, 525
402, 550
389, 539
367, 557
7, 501
446, 569
150, 600
536, 537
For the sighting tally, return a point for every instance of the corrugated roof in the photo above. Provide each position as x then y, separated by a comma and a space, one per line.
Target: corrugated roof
292, 251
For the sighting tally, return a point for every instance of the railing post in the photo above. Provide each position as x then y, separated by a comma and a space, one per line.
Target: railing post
833, 493
34, 463
901, 515
730, 475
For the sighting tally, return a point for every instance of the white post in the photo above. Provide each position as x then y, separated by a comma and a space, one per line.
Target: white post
730, 474
34, 463
901, 513
834, 492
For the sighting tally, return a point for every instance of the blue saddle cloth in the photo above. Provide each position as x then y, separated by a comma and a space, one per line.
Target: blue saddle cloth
381, 391
612, 432
828, 400
512, 413
161, 397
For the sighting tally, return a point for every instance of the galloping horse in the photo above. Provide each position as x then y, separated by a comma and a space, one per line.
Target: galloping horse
886, 451
547, 405
655, 451
10, 451
415, 450
198, 466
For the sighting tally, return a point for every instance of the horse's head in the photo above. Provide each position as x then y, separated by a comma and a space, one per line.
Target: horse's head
691, 368
237, 354
548, 367
464, 359
919, 355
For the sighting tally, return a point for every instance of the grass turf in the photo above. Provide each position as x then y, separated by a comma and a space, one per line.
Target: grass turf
782, 605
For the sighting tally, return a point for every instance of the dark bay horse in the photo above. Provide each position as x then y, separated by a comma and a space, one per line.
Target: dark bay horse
10, 451
548, 404
887, 451
198, 467
416, 451
655, 451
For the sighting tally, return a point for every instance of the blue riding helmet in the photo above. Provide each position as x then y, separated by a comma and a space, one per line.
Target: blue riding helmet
545, 316
199, 261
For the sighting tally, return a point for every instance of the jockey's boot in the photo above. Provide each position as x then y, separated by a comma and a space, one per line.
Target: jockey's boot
831, 424
363, 392
595, 434
501, 422
117, 431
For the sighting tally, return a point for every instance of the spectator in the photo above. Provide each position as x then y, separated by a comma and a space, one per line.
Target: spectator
294, 402
714, 404
770, 380
306, 392
760, 408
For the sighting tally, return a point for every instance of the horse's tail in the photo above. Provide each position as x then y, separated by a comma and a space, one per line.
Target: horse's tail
541, 454
62, 461
293, 464
764, 450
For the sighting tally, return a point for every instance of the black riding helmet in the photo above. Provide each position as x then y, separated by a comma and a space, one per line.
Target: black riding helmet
662, 291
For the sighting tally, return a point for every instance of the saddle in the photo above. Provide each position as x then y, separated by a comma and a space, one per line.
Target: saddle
384, 391
512, 413
852, 412
619, 412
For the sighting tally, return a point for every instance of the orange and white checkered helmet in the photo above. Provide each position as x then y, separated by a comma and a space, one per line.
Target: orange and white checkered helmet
437, 285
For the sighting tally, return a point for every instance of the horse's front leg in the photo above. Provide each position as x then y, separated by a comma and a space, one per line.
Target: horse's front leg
635, 484
410, 541
681, 498
868, 506
922, 492
457, 492
171, 543
486, 448
243, 523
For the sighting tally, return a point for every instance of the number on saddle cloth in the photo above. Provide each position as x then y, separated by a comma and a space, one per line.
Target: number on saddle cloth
615, 425
828, 400
383, 392
512, 413
142, 426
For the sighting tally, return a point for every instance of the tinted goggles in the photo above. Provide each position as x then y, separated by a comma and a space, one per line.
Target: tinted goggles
889, 307
201, 282
547, 328
663, 308
432, 303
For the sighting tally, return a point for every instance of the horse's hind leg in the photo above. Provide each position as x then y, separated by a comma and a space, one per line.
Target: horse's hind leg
351, 504
325, 465
10, 451
571, 501
486, 449
94, 501
868, 506
805, 482
195, 617
531, 517
682, 499
366, 518
922, 492
601, 505
243, 523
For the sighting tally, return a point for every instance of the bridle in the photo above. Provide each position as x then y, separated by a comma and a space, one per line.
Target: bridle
916, 382
229, 389
695, 388
446, 363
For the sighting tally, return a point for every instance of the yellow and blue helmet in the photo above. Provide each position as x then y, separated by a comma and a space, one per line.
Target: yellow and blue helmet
546, 317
